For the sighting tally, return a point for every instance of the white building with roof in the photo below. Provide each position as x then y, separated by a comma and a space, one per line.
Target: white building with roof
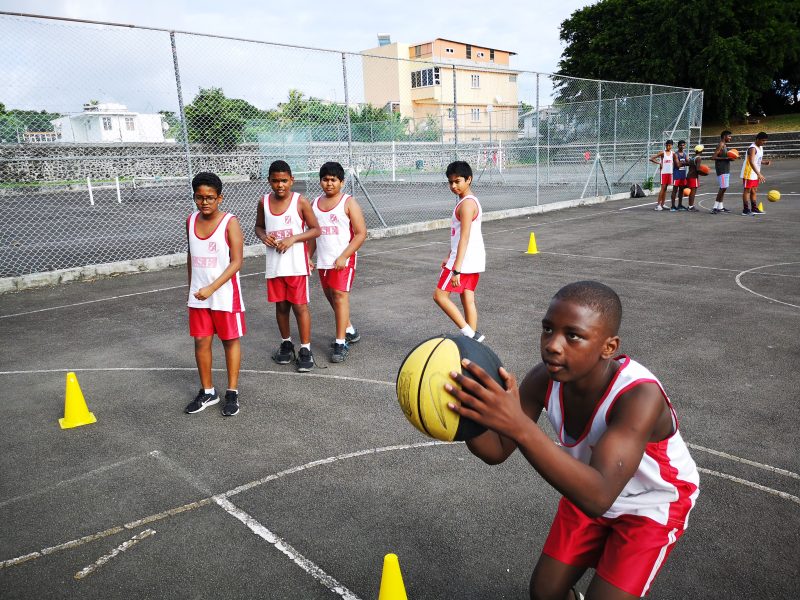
109, 122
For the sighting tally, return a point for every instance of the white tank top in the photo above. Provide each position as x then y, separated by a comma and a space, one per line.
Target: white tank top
336, 233
295, 260
666, 162
665, 486
747, 171
475, 256
210, 257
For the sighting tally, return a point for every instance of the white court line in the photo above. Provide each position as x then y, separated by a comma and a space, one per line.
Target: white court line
744, 287
756, 486
115, 552
639, 205
282, 545
744, 461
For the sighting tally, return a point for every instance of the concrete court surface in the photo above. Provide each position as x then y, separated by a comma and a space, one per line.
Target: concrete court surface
303, 492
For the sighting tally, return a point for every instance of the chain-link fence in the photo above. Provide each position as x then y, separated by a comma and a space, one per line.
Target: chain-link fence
102, 127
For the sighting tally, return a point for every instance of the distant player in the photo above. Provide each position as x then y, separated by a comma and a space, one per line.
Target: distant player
343, 231
751, 175
285, 222
216, 248
627, 480
722, 166
665, 159
467, 259
693, 176
679, 169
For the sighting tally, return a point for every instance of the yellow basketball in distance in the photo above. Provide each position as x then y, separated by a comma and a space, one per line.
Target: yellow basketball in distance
773, 195
699, 148
421, 379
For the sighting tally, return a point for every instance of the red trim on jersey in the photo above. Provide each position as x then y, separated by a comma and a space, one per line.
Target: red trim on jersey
470, 197
335, 205
210, 234
547, 394
679, 509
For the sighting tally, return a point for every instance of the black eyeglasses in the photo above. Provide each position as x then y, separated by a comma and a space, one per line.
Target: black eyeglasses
205, 199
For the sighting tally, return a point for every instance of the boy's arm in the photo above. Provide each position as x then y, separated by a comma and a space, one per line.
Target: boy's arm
188, 255
656, 158
718, 153
751, 158
359, 226
466, 213
236, 245
312, 227
593, 487
261, 226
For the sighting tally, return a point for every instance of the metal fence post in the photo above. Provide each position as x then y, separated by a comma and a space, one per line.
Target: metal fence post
649, 134
455, 115
347, 113
538, 135
597, 152
184, 126
615, 139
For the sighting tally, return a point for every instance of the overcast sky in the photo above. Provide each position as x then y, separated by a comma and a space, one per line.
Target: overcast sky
58, 67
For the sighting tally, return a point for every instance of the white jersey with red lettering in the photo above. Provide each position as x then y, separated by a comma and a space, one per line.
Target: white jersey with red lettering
210, 257
475, 256
667, 160
295, 260
336, 233
748, 172
665, 485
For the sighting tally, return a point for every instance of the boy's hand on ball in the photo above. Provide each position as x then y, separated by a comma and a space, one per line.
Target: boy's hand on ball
485, 401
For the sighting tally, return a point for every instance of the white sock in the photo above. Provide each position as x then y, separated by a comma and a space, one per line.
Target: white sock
468, 331
288, 339
350, 329
338, 341
233, 390
306, 346
211, 391
717, 205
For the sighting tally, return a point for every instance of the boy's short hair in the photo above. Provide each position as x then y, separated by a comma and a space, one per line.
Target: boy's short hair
209, 179
332, 168
670, 142
725, 133
459, 168
681, 142
280, 166
762, 135
596, 296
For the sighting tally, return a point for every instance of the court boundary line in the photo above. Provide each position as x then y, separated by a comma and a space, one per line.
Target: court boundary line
747, 289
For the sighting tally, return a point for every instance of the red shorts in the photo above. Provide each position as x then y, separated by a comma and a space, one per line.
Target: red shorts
666, 179
749, 184
692, 183
289, 288
204, 322
679, 182
341, 280
469, 281
627, 552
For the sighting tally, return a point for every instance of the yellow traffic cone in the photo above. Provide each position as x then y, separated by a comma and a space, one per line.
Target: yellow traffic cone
532, 245
392, 587
760, 207
76, 413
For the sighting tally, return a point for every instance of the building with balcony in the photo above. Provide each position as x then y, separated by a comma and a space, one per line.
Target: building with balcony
109, 123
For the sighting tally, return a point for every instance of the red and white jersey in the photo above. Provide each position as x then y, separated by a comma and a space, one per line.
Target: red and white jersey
667, 160
295, 260
665, 486
475, 256
210, 256
336, 233
748, 172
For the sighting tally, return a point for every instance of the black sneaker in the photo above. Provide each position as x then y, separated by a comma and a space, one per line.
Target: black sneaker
724, 210
757, 211
340, 352
715, 211
682, 207
478, 337
352, 338
692, 209
305, 360
746, 212
285, 354
201, 401
231, 406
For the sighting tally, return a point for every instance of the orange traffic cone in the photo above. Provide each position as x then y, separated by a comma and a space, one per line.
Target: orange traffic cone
76, 413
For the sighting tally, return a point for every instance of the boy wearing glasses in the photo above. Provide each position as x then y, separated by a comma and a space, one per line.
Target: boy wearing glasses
216, 247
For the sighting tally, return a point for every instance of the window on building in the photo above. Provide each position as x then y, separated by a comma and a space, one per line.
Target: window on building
425, 77
469, 51
107, 126
512, 78
450, 50
451, 113
481, 54
476, 81
476, 114
491, 55
418, 51
130, 124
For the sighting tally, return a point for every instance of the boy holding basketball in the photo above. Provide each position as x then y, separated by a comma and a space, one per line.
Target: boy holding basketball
626, 476
665, 159
679, 169
216, 248
343, 231
467, 259
751, 175
284, 223
695, 169
722, 166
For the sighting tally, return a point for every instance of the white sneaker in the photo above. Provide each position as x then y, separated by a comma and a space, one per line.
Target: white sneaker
658, 207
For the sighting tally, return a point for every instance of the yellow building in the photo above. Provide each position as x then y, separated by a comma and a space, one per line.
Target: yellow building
417, 82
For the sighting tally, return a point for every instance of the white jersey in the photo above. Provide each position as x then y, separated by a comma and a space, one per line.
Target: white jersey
747, 170
665, 486
667, 161
475, 256
336, 235
295, 260
210, 257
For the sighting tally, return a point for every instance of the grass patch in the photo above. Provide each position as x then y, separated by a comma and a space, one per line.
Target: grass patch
770, 124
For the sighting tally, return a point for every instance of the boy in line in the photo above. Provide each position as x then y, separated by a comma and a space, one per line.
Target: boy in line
467, 259
216, 248
679, 176
343, 231
722, 166
751, 175
285, 222
665, 159
693, 176
627, 480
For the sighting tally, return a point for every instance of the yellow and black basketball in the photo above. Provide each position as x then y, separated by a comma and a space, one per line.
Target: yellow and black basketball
421, 379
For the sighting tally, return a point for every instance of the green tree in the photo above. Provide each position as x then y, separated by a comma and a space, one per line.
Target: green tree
219, 121
737, 52
15, 123
174, 130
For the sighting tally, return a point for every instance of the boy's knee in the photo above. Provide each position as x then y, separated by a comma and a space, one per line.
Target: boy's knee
439, 296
